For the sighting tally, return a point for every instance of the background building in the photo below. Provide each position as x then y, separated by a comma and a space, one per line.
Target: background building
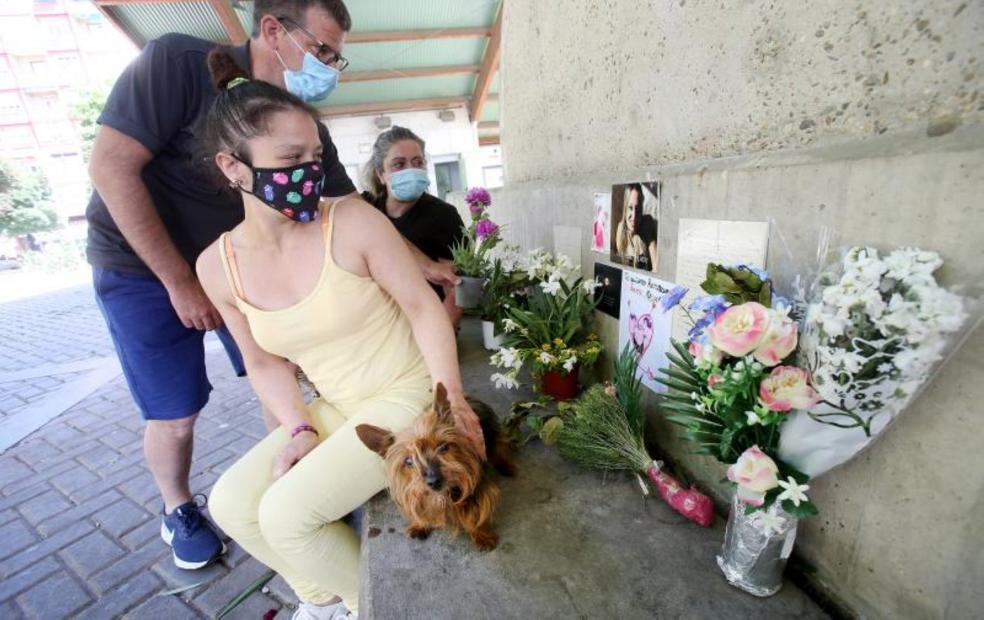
53, 53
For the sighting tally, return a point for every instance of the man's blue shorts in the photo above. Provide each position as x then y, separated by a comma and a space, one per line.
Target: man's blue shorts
163, 361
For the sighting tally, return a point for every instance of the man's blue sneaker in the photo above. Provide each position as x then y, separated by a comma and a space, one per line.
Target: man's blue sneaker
193, 539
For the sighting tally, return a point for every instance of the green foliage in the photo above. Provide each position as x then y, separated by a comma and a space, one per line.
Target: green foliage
499, 292
566, 316
716, 420
58, 256
737, 284
469, 255
628, 386
245, 594
25, 202
595, 433
87, 109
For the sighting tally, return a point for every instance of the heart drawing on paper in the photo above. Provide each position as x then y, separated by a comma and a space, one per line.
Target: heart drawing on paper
640, 333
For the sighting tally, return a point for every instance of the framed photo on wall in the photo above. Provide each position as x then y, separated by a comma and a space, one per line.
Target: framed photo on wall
635, 221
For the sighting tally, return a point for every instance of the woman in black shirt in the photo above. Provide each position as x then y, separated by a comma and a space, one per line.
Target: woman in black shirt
396, 181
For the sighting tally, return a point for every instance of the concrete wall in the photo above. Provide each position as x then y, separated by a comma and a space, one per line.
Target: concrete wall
739, 109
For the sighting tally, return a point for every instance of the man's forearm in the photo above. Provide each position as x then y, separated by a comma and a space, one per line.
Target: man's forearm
422, 259
131, 207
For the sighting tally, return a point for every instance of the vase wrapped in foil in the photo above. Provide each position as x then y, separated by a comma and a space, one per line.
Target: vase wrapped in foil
756, 547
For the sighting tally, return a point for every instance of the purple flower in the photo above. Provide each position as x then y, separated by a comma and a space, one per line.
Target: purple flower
476, 209
711, 304
478, 196
671, 299
485, 228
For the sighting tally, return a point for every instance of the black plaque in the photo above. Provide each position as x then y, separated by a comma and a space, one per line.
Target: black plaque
610, 290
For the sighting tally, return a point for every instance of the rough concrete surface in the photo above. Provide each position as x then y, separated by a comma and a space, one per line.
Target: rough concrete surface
605, 85
573, 545
898, 533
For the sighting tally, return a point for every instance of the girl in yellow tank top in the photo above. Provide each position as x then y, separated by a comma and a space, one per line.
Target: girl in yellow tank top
334, 290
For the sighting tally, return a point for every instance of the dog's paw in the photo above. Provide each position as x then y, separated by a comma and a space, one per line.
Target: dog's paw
485, 541
420, 533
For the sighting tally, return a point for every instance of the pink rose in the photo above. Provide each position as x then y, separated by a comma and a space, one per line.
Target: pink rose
713, 380
739, 329
755, 474
779, 340
787, 388
705, 353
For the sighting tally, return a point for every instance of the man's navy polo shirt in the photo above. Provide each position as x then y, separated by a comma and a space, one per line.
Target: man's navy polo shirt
162, 100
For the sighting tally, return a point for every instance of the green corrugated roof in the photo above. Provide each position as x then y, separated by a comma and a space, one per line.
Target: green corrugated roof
408, 54
147, 20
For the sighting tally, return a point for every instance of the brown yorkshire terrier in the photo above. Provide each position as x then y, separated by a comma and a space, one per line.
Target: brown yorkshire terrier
436, 475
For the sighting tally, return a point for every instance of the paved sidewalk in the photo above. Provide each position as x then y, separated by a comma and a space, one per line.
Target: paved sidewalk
79, 533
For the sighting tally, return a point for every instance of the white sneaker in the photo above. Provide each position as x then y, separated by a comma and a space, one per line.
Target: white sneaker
335, 611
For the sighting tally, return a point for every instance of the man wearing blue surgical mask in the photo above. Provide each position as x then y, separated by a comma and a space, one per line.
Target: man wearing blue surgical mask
155, 208
396, 181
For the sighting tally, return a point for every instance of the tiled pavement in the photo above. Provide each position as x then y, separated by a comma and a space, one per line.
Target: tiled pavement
79, 533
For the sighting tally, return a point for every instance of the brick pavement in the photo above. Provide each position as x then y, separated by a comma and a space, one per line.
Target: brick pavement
79, 533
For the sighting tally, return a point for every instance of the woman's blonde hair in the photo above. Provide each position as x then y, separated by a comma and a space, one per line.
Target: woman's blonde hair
384, 142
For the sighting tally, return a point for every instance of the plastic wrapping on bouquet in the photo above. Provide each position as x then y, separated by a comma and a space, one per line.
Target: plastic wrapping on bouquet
691, 503
756, 548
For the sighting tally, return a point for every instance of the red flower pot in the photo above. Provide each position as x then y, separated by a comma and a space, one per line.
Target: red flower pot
560, 385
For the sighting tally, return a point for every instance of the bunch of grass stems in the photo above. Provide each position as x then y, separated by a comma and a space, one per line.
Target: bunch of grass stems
596, 433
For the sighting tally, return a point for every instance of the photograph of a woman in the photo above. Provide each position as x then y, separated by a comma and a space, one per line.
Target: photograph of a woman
635, 214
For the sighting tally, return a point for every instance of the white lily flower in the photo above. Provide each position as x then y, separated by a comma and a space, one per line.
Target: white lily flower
751, 418
794, 491
569, 364
509, 326
546, 358
503, 381
550, 287
590, 286
770, 523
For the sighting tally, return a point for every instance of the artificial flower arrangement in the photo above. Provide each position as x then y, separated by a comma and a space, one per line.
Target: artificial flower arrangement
550, 329
470, 255
731, 386
780, 404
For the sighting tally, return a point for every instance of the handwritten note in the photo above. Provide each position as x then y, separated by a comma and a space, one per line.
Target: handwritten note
644, 325
714, 241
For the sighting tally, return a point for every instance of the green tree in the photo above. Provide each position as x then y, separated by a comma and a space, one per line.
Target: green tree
25, 202
87, 110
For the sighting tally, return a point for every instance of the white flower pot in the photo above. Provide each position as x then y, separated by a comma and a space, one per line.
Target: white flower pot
492, 341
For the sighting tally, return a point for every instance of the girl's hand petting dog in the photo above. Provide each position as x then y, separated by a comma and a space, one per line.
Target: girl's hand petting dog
296, 449
467, 422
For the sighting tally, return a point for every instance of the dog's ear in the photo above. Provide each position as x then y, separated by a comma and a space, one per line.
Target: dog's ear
442, 406
376, 439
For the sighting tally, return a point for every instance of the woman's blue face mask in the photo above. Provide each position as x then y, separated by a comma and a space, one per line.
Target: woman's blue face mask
409, 184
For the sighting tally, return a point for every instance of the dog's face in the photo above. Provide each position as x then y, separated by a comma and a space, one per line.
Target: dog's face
430, 466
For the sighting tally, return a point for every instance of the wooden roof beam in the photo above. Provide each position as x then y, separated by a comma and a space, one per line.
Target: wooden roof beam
490, 64
230, 21
387, 36
385, 107
415, 72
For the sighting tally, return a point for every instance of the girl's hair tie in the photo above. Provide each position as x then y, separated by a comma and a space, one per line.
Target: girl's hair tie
234, 82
